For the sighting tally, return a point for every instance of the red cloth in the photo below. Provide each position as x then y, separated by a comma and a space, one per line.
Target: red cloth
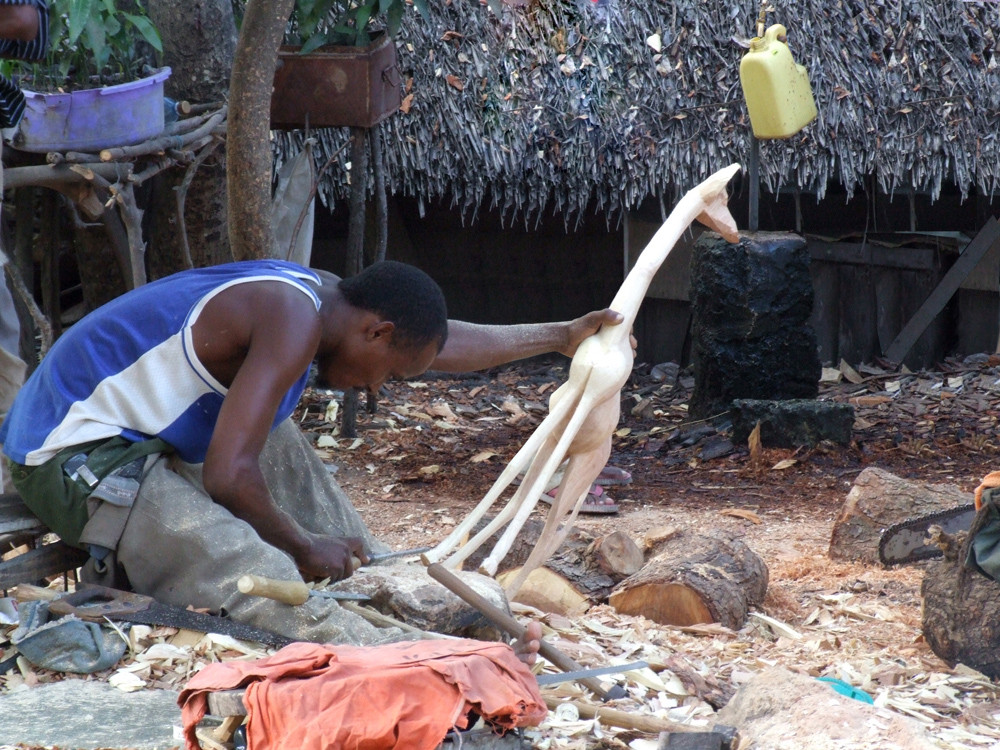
403, 695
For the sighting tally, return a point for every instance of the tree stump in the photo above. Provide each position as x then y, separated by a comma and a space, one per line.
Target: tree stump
961, 611
879, 499
750, 331
696, 578
582, 572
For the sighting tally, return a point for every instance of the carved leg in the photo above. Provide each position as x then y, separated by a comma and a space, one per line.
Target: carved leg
519, 463
580, 416
531, 479
580, 475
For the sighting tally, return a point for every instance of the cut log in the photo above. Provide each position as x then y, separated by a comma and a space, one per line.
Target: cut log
547, 591
961, 611
582, 572
696, 578
879, 499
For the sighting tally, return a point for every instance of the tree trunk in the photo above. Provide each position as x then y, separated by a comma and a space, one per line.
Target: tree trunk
696, 578
248, 174
100, 274
199, 43
961, 610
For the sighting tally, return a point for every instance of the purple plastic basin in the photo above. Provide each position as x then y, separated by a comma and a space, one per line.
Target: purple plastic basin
92, 119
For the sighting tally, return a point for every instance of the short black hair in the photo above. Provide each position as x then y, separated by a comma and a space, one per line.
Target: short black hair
404, 295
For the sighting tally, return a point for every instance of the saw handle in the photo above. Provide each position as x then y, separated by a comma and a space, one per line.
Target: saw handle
287, 592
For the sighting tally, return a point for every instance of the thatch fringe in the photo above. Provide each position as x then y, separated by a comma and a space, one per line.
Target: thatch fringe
564, 106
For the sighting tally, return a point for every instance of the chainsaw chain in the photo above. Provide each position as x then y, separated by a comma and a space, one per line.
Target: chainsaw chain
922, 524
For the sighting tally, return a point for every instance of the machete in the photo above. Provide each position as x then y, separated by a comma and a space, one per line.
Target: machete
97, 603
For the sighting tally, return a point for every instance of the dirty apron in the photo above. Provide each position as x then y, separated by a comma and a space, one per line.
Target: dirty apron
182, 548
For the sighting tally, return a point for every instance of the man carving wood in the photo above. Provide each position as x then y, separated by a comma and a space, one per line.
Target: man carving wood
155, 432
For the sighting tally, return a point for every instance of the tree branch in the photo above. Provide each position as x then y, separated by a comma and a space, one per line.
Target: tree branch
248, 166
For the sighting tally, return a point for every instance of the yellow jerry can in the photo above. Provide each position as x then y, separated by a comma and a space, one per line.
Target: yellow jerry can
779, 98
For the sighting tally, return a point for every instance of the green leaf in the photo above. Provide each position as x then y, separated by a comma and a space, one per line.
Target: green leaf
145, 27
496, 6
363, 14
314, 42
394, 19
422, 9
78, 14
95, 37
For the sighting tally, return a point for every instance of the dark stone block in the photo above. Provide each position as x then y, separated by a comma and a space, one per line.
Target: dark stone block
790, 424
751, 336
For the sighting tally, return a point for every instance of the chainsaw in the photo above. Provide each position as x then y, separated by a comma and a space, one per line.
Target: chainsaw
908, 541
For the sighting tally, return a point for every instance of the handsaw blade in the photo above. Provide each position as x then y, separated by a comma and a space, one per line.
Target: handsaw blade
906, 541
97, 603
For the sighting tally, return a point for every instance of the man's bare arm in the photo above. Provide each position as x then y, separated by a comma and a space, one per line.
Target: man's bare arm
281, 345
472, 346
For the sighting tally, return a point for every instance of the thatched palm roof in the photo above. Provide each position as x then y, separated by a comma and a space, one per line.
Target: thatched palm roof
565, 105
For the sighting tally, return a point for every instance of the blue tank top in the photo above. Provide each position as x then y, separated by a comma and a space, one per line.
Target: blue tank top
129, 368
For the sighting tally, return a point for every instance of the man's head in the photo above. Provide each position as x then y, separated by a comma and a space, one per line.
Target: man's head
401, 323
404, 295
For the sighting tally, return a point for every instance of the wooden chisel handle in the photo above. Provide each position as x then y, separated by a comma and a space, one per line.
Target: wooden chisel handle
288, 592
508, 624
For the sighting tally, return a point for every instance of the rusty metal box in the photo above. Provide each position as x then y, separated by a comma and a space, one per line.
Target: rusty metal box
336, 86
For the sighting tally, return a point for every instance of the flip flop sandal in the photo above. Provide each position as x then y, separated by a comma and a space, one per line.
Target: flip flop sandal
612, 475
604, 505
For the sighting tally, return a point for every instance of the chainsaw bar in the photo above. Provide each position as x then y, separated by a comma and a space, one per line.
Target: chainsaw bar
906, 542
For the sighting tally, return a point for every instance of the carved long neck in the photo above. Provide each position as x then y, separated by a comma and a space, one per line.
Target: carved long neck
633, 289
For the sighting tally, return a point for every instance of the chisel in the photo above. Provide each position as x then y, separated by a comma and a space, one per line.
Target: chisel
380, 557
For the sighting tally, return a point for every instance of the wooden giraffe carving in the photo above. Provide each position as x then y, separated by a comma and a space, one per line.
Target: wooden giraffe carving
584, 411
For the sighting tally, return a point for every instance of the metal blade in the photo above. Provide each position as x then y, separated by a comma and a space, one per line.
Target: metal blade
383, 556
906, 541
175, 617
342, 595
557, 677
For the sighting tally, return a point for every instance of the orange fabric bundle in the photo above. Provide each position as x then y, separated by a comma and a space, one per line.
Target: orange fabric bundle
989, 481
403, 695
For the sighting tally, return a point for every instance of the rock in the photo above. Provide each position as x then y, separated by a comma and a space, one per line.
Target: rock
878, 500
85, 715
750, 330
781, 710
794, 423
406, 592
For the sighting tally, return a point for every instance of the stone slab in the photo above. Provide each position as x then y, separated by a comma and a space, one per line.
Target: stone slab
86, 715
